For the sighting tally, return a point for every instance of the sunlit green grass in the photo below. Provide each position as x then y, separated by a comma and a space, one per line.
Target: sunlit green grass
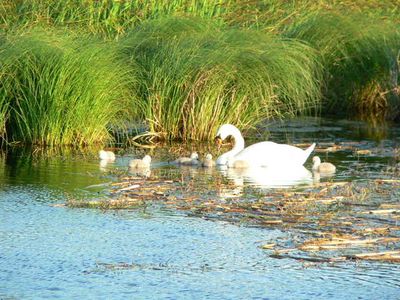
197, 76
185, 67
61, 90
110, 18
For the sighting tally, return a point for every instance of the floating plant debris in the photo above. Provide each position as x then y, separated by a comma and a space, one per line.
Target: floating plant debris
340, 220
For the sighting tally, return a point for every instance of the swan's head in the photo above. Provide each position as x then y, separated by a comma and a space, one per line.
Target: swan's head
194, 155
226, 130
147, 159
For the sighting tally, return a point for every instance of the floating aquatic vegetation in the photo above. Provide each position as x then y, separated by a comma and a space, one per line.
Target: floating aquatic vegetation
329, 221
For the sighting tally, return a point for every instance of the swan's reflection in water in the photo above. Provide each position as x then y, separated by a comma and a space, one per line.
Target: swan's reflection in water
269, 177
231, 182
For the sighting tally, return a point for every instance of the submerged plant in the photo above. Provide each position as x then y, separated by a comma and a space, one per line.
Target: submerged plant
196, 76
61, 90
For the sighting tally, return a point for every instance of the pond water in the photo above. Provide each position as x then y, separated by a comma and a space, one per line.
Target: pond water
51, 251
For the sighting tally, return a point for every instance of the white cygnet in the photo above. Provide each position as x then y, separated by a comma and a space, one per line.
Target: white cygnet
324, 167
140, 163
192, 160
106, 155
208, 161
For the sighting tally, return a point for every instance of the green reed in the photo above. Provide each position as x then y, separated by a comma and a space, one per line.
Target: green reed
60, 89
106, 17
197, 75
360, 55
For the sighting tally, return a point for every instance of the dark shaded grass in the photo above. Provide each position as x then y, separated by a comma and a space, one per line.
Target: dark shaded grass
360, 55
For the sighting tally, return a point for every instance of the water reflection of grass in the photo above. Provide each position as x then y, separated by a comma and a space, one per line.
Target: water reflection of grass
64, 168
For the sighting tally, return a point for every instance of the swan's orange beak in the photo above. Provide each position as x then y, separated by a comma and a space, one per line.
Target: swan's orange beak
218, 141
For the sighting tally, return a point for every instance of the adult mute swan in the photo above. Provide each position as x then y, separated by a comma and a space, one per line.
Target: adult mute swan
263, 154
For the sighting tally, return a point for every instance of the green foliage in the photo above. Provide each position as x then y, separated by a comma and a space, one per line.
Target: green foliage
197, 76
106, 17
58, 89
188, 66
360, 58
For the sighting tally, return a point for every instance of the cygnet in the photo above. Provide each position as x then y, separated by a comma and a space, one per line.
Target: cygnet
192, 160
140, 163
324, 167
106, 155
208, 161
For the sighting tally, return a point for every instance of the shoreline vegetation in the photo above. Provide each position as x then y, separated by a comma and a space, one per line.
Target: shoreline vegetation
74, 72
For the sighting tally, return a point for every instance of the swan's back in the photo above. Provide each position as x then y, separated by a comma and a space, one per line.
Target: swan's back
267, 154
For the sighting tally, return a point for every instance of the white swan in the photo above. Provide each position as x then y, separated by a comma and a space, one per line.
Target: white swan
324, 167
106, 155
143, 163
208, 161
192, 160
263, 154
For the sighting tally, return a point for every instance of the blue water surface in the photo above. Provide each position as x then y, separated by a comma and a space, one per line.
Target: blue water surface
55, 252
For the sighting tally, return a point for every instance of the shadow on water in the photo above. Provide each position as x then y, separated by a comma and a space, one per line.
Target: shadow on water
155, 251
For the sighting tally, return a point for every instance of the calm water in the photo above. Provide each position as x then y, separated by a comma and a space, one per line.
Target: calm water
48, 251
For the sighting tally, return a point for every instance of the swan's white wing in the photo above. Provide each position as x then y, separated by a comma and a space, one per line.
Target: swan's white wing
272, 154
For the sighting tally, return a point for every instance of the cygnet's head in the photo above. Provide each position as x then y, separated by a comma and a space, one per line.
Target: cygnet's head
106, 155
316, 160
224, 131
147, 159
194, 155
208, 156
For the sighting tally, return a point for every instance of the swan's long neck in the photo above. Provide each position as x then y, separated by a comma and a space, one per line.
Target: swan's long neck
237, 147
239, 143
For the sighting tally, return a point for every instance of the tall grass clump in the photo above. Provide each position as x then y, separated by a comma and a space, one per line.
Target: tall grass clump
110, 18
361, 61
60, 89
196, 76
4, 103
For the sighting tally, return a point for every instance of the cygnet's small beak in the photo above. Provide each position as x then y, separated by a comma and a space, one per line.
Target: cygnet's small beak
218, 141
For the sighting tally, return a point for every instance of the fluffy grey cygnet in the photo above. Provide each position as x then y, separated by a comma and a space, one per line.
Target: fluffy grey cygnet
324, 167
140, 163
208, 161
106, 155
192, 160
